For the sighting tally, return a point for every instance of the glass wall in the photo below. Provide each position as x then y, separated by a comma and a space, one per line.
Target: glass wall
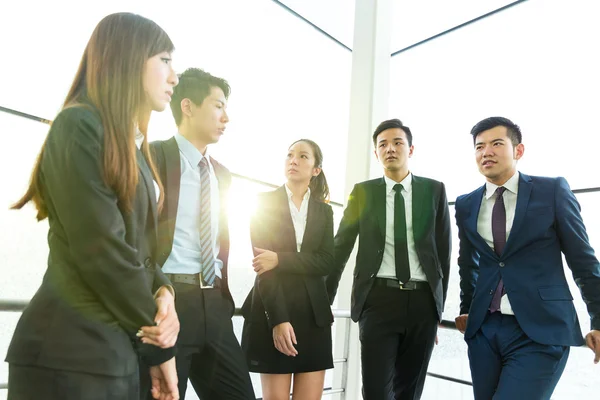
533, 63
288, 82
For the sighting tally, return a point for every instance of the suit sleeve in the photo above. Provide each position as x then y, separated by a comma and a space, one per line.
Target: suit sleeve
344, 242
468, 264
577, 250
443, 238
89, 213
269, 288
156, 153
318, 263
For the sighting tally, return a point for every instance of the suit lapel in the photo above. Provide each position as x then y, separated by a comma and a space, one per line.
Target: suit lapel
379, 197
173, 182
525, 187
219, 173
148, 181
418, 201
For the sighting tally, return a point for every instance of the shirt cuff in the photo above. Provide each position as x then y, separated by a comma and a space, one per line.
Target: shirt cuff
168, 287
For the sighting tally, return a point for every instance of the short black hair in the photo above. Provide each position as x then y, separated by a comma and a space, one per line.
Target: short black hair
389, 124
512, 130
195, 84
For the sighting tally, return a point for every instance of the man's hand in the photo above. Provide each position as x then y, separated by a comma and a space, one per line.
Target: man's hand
164, 334
164, 381
461, 322
265, 261
284, 339
593, 341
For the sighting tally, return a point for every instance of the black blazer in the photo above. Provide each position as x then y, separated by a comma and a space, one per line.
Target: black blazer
272, 229
365, 216
166, 156
98, 288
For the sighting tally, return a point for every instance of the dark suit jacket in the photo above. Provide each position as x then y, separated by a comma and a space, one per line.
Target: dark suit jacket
547, 222
167, 158
272, 229
365, 216
98, 289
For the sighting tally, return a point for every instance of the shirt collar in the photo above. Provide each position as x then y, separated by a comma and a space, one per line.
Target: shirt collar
406, 183
189, 151
139, 138
289, 193
512, 185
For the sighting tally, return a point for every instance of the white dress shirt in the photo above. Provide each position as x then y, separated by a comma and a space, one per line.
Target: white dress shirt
388, 263
484, 219
298, 215
185, 257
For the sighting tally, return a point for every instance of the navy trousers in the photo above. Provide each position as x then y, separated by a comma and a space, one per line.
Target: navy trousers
506, 364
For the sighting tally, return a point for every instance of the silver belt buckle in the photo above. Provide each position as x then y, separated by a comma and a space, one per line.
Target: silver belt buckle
202, 285
402, 286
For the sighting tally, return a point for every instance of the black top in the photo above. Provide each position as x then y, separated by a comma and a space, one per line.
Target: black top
272, 229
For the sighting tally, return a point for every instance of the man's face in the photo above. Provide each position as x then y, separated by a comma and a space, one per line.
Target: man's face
210, 118
392, 149
496, 156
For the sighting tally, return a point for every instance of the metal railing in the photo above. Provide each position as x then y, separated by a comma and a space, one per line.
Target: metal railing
19, 306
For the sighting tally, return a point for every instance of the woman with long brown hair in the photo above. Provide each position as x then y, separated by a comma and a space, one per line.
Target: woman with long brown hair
287, 329
79, 338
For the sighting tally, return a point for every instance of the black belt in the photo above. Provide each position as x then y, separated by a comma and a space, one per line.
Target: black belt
193, 279
393, 283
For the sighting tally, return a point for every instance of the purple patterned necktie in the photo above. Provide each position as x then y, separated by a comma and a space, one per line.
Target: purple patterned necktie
499, 237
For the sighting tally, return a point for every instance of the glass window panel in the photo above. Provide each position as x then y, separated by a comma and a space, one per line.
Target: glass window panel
288, 80
23, 248
449, 358
545, 80
415, 20
335, 17
8, 323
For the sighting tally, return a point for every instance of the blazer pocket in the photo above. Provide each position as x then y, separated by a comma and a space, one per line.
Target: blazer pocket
553, 293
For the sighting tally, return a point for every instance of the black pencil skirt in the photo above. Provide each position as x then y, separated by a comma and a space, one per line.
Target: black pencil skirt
314, 342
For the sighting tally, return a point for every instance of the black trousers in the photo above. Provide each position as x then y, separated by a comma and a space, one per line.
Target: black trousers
35, 383
208, 353
397, 333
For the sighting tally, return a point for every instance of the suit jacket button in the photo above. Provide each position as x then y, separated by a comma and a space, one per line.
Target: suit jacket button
148, 262
491, 292
501, 264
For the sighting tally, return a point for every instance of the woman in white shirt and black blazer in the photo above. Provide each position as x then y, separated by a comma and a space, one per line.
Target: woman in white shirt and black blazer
287, 330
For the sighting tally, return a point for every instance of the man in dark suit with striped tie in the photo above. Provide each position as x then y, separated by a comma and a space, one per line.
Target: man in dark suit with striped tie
516, 308
194, 241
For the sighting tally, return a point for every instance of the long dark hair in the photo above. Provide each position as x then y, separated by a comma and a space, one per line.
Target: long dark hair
319, 189
110, 76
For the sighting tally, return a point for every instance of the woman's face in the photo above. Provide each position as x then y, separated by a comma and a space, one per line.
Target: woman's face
159, 81
300, 163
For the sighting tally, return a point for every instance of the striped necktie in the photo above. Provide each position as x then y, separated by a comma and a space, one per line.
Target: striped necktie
206, 246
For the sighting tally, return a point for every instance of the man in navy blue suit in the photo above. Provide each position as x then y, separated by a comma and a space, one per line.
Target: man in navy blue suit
516, 309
